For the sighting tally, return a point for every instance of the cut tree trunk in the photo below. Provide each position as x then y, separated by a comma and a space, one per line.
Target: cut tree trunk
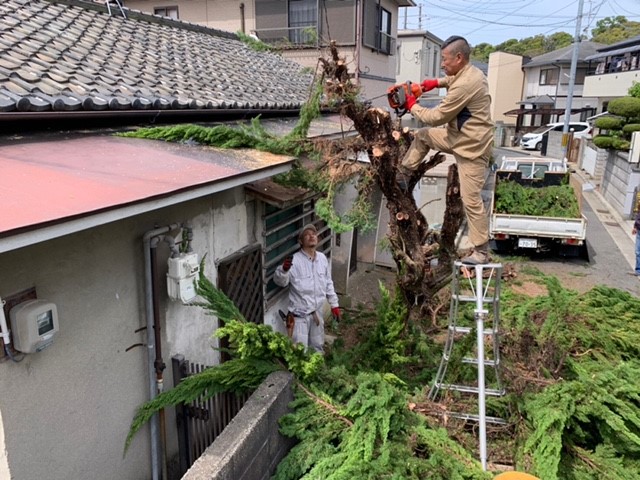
422, 255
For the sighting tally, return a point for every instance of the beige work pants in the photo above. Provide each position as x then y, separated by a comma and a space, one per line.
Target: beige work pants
472, 177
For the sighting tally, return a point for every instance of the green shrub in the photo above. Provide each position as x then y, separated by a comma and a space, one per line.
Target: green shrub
603, 141
620, 144
551, 201
627, 107
634, 90
629, 128
608, 123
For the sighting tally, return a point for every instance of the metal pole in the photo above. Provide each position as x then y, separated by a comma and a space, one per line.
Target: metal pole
480, 314
572, 81
154, 424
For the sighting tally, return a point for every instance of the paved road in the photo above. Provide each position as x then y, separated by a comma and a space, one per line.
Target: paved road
611, 249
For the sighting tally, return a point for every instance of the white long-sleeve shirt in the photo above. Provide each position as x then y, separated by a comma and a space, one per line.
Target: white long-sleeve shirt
309, 283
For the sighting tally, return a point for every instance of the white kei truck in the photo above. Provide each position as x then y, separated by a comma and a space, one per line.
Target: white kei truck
512, 232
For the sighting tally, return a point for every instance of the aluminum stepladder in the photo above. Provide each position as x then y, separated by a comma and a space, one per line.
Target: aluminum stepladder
479, 284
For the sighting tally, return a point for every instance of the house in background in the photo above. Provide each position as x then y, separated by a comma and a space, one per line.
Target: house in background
365, 30
89, 221
611, 72
546, 86
418, 56
506, 80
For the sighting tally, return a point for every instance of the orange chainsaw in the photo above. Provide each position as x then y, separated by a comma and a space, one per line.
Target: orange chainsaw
397, 96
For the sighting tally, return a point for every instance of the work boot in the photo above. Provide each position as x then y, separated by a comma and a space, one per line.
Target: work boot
479, 255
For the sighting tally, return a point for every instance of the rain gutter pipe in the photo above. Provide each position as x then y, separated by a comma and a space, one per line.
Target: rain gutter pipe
4, 330
150, 241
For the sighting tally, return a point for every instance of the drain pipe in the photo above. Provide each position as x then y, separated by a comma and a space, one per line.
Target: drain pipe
150, 241
158, 363
242, 17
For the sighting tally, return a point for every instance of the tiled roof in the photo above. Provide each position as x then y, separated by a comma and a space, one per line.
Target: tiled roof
69, 55
563, 55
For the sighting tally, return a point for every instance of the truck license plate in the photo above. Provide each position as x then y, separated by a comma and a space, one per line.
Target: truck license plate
527, 243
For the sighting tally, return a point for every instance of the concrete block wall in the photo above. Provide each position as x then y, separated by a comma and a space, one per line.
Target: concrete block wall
554, 145
602, 155
251, 447
619, 181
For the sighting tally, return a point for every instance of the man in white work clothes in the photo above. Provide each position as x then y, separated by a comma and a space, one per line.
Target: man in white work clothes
308, 276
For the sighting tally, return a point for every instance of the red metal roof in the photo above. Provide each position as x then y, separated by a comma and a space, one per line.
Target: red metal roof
48, 181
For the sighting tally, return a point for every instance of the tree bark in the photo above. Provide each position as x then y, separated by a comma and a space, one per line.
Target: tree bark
423, 256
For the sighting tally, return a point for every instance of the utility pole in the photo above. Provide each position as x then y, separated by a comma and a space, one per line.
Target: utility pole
572, 81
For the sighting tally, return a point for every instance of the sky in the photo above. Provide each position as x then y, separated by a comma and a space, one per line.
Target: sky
494, 21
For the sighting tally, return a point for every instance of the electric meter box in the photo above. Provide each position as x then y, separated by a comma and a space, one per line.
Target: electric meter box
34, 324
181, 277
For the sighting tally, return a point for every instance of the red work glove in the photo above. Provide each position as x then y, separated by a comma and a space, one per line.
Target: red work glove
410, 102
429, 84
335, 311
286, 265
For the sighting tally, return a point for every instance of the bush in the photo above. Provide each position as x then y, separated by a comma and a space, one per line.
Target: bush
603, 141
627, 107
631, 127
634, 90
608, 123
620, 144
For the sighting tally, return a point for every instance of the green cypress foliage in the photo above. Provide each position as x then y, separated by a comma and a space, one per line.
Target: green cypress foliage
570, 363
253, 135
551, 201
585, 424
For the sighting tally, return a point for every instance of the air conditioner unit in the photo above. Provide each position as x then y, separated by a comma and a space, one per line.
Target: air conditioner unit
634, 151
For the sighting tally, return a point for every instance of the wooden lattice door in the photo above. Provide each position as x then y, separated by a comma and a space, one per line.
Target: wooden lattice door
240, 278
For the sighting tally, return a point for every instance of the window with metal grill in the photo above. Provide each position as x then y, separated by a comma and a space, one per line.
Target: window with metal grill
281, 227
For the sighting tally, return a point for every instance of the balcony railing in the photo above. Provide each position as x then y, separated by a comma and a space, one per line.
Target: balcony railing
615, 64
387, 44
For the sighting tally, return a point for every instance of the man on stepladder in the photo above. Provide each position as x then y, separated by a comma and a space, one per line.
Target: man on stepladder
468, 136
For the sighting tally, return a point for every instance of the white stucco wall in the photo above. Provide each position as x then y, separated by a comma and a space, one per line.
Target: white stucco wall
418, 58
610, 85
66, 410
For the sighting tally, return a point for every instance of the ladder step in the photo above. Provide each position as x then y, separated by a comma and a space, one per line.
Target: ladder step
471, 298
492, 266
457, 329
466, 389
476, 418
474, 361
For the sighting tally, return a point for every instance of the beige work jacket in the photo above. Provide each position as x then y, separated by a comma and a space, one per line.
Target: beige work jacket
465, 110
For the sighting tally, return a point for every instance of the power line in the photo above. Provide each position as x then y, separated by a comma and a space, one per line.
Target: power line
477, 12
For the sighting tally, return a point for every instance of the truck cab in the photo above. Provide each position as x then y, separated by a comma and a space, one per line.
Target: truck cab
533, 168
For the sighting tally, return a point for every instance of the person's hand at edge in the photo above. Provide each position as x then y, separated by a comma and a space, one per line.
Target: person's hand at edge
429, 84
335, 311
411, 101
286, 265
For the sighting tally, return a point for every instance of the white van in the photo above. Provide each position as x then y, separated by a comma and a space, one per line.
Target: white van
533, 140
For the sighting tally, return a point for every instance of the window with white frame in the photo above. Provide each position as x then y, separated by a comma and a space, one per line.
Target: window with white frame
549, 76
